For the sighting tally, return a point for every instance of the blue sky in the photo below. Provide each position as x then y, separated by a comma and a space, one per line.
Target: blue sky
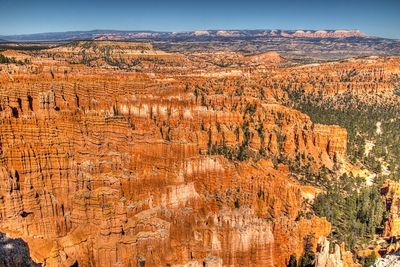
378, 18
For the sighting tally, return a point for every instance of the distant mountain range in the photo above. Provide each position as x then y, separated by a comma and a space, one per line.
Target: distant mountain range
203, 34
303, 45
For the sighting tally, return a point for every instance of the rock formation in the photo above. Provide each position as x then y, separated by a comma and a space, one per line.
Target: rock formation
337, 258
162, 166
391, 192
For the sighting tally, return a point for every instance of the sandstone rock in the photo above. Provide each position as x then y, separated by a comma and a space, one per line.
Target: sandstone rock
325, 258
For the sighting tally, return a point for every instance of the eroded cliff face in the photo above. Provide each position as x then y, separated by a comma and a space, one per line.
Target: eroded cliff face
391, 192
104, 167
348, 84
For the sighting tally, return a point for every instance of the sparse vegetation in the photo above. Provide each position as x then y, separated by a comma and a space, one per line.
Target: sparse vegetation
360, 122
11, 60
355, 210
354, 214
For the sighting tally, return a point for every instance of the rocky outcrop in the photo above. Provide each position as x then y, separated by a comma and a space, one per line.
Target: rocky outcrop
265, 58
388, 261
391, 192
333, 139
325, 257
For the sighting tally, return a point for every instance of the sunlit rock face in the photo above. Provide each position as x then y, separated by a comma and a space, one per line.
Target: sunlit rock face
101, 166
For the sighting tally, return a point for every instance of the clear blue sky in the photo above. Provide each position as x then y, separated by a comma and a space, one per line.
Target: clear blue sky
378, 18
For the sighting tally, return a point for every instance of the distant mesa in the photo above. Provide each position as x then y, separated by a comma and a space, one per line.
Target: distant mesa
327, 34
228, 33
201, 33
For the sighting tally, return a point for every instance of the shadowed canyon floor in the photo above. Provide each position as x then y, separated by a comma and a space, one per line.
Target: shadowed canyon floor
121, 154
